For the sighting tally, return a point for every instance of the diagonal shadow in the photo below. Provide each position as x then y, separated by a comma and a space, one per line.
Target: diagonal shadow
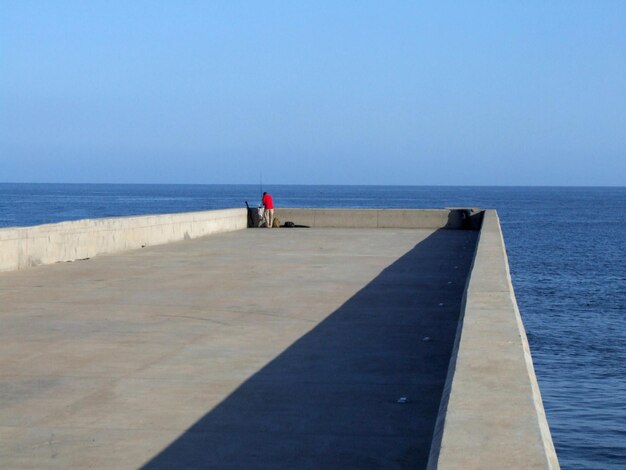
335, 397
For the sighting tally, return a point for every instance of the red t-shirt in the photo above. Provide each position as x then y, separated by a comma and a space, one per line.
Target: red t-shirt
267, 202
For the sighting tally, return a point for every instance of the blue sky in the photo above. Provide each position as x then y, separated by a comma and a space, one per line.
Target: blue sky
350, 92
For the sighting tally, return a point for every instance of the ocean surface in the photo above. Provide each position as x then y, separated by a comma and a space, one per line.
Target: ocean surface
567, 252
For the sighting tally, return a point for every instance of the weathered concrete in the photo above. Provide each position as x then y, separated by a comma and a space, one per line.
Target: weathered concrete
22, 247
286, 347
491, 415
378, 218
257, 348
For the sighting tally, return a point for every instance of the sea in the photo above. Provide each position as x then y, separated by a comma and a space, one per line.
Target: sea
566, 248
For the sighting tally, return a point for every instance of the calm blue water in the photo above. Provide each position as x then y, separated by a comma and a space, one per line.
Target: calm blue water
566, 250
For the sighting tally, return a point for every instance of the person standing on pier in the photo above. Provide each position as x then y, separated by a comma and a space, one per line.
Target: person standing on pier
268, 213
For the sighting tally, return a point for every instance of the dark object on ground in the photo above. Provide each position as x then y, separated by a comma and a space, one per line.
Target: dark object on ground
255, 216
471, 219
250, 220
289, 224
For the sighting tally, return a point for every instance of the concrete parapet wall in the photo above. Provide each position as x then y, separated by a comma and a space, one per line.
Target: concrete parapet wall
375, 218
491, 415
21, 247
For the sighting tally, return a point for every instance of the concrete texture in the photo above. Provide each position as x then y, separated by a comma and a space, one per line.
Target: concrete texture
22, 247
376, 218
491, 416
284, 348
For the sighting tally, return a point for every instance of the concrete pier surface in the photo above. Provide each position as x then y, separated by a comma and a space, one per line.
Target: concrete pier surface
288, 348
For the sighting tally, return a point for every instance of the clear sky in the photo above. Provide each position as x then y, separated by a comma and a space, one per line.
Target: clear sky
320, 92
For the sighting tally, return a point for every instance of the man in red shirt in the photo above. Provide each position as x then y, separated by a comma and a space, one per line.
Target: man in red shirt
268, 213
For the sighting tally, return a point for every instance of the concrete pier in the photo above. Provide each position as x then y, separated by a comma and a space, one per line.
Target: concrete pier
285, 347
392, 343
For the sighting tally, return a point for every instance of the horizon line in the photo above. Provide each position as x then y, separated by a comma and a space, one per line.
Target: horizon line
325, 184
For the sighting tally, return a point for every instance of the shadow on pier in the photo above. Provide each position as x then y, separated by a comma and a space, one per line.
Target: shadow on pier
360, 390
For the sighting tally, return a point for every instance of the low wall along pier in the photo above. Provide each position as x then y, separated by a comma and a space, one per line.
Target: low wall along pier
23, 247
375, 338
491, 414
383, 218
